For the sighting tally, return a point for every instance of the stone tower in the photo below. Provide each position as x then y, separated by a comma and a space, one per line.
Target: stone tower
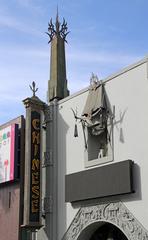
57, 85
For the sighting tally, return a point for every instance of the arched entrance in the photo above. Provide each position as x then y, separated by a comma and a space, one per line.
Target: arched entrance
108, 232
98, 218
102, 231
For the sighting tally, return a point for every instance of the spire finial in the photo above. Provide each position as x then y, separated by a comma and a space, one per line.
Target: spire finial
33, 88
57, 21
58, 29
57, 17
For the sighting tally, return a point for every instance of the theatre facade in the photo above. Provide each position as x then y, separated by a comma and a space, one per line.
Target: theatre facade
105, 181
96, 153
85, 166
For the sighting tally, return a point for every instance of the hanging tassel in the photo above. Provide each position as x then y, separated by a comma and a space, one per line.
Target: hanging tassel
76, 131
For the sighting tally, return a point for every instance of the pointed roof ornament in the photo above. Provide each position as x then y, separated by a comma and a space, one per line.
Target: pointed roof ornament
57, 17
58, 29
57, 24
33, 88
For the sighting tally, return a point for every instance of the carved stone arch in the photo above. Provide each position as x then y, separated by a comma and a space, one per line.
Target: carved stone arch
91, 230
115, 213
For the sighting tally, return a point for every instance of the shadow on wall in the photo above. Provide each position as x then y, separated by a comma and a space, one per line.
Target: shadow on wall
118, 124
63, 129
61, 168
137, 185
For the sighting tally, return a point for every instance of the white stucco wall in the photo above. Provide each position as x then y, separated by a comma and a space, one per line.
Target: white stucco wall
128, 91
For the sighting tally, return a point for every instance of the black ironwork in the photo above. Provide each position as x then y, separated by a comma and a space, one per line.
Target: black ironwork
33, 88
58, 29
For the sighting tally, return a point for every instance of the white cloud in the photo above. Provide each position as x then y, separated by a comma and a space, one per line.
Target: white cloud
31, 5
101, 57
7, 20
81, 63
34, 65
9, 96
25, 51
26, 3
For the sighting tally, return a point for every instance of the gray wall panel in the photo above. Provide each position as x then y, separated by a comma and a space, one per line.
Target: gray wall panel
109, 180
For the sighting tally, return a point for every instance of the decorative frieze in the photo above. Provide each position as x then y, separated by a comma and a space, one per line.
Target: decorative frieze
115, 213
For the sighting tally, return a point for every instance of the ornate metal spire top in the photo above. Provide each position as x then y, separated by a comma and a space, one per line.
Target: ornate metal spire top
33, 88
58, 29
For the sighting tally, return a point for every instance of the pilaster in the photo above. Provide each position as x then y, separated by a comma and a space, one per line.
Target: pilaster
33, 162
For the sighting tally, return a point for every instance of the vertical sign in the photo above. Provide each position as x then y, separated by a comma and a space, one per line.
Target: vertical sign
35, 168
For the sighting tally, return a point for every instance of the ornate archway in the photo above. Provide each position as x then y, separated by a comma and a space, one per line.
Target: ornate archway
114, 213
102, 231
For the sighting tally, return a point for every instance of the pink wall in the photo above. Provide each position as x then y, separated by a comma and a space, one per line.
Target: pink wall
9, 211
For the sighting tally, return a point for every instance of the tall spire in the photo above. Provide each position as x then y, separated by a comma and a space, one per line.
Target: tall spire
57, 17
57, 85
57, 21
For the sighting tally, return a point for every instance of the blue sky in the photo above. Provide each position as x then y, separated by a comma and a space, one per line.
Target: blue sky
105, 36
